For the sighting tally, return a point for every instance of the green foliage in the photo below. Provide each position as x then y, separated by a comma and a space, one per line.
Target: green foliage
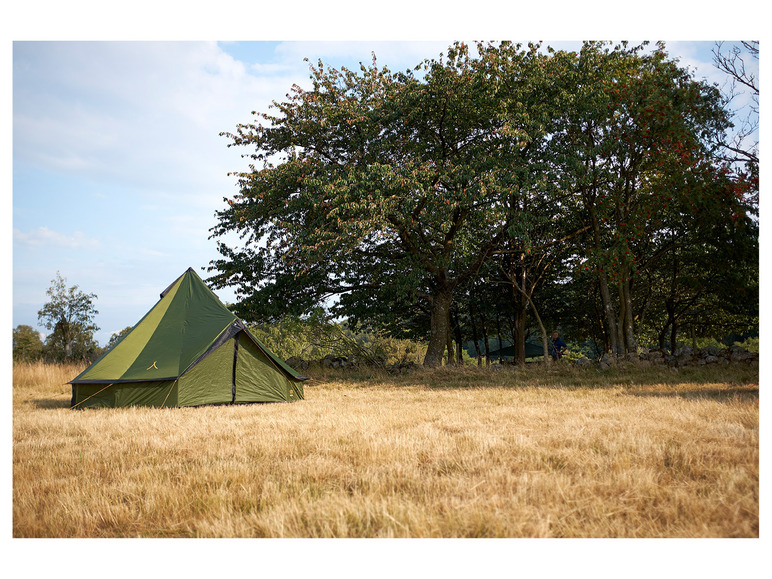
293, 336
117, 337
82, 346
315, 336
27, 345
390, 191
473, 193
749, 344
709, 343
572, 354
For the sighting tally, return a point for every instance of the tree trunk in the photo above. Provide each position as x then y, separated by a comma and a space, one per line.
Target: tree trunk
661, 336
450, 360
498, 335
456, 327
673, 333
486, 343
630, 341
609, 315
670, 304
474, 339
544, 338
601, 326
64, 328
669, 324
608, 306
520, 302
439, 332
520, 336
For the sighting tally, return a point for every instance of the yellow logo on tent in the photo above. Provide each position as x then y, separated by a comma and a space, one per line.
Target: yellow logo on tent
153, 366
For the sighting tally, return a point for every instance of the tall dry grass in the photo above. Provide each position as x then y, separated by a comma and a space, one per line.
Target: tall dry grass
448, 453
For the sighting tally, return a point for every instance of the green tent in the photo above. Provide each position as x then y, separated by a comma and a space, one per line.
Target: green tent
188, 350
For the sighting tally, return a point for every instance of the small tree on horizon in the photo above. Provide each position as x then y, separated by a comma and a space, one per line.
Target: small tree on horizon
118, 336
27, 345
69, 315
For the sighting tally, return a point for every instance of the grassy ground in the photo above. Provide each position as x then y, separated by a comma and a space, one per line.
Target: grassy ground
445, 453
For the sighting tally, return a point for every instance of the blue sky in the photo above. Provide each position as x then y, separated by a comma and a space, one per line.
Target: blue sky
118, 166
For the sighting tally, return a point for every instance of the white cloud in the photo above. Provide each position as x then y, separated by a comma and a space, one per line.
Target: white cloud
396, 55
190, 226
272, 69
148, 115
146, 252
145, 114
697, 57
43, 237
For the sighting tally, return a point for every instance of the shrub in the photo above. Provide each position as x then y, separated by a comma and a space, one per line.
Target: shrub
750, 345
316, 336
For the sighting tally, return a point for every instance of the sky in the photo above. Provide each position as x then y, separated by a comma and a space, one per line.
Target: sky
118, 162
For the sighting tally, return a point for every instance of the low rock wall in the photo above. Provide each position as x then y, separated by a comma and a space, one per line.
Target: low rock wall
686, 356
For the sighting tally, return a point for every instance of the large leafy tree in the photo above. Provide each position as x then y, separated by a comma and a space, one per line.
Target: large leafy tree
69, 315
387, 189
399, 192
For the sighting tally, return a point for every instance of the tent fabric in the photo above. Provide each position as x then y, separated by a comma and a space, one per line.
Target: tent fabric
186, 351
211, 381
124, 394
260, 377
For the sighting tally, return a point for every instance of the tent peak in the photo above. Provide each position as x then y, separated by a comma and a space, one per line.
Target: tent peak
171, 285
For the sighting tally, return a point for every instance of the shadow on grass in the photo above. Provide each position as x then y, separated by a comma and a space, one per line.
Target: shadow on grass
690, 380
49, 403
747, 394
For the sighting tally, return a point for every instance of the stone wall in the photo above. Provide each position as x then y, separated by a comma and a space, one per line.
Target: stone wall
686, 356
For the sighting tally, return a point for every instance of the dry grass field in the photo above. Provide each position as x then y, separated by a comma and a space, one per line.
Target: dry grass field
445, 453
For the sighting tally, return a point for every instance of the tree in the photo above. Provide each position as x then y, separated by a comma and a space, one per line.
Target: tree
27, 345
387, 188
396, 194
741, 142
639, 136
69, 314
701, 273
118, 336
743, 145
